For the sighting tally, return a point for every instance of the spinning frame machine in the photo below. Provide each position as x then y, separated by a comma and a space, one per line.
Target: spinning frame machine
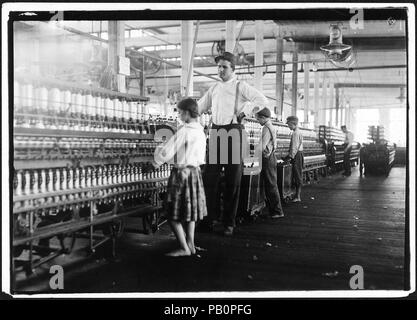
378, 156
80, 166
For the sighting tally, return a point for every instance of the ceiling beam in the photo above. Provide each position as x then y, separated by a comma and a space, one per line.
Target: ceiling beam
369, 85
212, 71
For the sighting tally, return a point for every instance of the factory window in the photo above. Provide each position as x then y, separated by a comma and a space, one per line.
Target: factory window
364, 118
327, 120
150, 48
397, 129
135, 33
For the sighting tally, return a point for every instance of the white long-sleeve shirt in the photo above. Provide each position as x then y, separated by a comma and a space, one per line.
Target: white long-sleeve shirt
187, 147
296, 143
268, 141
348, 139
220, 99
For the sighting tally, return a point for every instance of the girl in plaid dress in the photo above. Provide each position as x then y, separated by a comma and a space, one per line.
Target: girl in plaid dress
186, 200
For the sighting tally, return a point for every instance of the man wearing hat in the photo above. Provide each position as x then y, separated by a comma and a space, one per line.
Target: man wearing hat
295, 156
269, 164
229, 101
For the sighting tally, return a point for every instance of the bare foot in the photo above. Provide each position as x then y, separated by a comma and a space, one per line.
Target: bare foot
179, 253
297, 200
192, 248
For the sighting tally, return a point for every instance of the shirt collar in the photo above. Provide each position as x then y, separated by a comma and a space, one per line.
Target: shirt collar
192, 125
233, 78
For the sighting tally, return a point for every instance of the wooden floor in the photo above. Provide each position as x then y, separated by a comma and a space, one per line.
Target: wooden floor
341, 222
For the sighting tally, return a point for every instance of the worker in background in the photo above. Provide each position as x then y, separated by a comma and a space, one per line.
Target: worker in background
346, 152
269, 164
295, 156
229, 101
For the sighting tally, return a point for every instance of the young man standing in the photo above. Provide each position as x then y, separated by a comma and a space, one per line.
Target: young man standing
295, 156
230, 101
347, 150
269, 164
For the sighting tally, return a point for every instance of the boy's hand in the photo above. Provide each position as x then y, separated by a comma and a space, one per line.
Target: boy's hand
149, 167
154, 165
240, 117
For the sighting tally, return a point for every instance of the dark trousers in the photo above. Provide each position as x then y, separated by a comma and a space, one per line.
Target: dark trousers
233, 175
297, 169
346, 161
269, 179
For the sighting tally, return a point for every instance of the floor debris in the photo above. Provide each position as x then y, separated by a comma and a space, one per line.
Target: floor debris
331, 274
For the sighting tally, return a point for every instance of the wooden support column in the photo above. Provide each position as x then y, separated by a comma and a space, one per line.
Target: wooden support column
316, 100
337, 106
306, 90
331, 102
352, 117
259, 53
342, 108
116, 49
279, 83
348, 115
294, 83
142, 78
186, 50
230, 35
323, 113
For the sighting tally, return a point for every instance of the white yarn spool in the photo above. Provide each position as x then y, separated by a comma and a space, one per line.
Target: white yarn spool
125, 108
54, 100
66, 101
41, 99
90, 105
17, 95
133, 110
98, 101
27, 97
78, 105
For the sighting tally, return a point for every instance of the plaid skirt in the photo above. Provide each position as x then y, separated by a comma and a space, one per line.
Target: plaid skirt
186, 199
